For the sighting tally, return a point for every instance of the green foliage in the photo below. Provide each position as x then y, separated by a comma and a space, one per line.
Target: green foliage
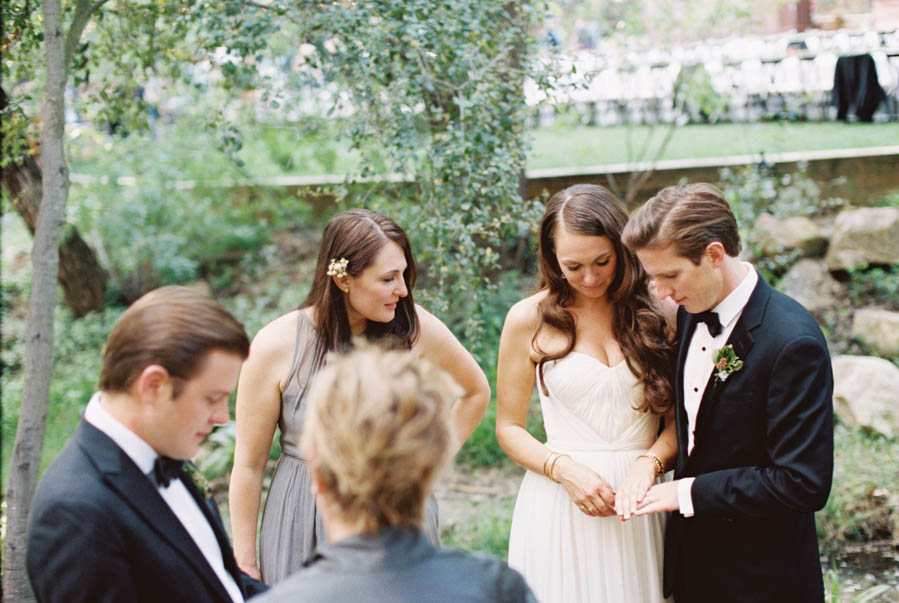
486, 529
128, 46
833, 587
758, 189
481, 448
693, 92
217, 453
160, 215
435, 89
889, 200
874, 286
78, 344
860, 507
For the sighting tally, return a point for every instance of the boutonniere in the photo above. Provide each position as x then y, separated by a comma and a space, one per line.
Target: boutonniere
726, 362
198, 479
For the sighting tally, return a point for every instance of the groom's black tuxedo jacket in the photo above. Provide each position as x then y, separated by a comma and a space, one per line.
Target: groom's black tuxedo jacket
100, 531
763, 462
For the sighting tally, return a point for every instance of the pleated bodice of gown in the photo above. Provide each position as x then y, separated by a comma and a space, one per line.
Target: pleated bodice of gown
566, 556
291, 524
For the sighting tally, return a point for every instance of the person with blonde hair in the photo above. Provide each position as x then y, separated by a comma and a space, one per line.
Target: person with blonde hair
377, 435
362, 287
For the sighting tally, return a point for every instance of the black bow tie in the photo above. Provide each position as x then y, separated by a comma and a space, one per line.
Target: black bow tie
164, 470
711, 321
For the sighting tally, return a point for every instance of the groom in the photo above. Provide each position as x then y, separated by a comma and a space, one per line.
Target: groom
754, 415
115, 517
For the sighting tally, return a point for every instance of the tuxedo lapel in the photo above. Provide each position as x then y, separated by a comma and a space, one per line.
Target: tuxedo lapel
210, 512
687, 326
742, 340
121, 474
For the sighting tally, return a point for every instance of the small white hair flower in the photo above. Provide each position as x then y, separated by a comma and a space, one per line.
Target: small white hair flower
338, 267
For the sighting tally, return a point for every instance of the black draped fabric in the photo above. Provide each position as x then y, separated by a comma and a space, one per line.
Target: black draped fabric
855, 85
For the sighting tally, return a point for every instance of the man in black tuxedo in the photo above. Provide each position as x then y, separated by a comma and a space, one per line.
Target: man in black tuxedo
115, 517
754, 414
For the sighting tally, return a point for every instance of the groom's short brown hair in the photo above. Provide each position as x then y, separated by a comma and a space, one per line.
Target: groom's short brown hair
174, 327
689, 216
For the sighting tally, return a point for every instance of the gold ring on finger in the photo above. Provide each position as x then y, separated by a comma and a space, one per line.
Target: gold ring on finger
583, 508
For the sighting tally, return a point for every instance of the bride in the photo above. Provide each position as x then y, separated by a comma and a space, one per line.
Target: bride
594, 342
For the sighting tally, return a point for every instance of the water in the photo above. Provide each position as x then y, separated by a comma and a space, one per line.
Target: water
862, 568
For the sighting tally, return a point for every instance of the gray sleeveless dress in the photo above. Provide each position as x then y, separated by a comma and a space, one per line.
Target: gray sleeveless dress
291, 525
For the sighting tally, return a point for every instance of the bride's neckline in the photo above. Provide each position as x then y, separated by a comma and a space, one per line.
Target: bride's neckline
597, 360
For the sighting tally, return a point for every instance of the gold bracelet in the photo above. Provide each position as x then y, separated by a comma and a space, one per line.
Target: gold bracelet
551, 456
660, 466
552, 466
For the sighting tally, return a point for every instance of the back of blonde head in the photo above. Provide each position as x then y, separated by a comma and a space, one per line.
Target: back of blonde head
378, 435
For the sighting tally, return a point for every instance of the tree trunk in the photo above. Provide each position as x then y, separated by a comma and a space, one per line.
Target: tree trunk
82, 277
29, 442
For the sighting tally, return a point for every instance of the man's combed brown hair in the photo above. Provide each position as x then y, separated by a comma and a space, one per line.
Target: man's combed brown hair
174, 327
589, 209
377, 433
689, 217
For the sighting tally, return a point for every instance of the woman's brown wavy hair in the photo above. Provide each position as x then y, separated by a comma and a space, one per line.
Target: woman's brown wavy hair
639, 327
358, 235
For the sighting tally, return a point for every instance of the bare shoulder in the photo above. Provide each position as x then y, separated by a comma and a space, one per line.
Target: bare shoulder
277, 337
524, 315
425, 317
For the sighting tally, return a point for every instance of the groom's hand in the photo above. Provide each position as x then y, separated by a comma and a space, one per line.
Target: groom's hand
661, 497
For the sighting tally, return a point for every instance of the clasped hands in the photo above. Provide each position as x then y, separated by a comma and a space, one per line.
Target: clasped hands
636, 495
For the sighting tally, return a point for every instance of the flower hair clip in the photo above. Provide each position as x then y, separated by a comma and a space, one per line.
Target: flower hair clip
338, 267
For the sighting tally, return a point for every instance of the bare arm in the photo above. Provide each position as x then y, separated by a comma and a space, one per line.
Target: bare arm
438, 345
257, 410
514, 384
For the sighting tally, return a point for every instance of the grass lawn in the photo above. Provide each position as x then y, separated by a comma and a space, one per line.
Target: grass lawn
565, 145
284, 151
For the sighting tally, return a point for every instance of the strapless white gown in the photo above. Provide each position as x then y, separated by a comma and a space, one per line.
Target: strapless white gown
566, 556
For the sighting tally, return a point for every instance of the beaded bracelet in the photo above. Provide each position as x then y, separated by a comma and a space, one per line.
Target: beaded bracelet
660, 467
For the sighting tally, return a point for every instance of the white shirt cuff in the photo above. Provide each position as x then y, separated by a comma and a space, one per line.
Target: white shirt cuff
684, 497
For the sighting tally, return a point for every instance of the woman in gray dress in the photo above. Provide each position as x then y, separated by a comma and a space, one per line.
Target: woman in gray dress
362, 287
372, 491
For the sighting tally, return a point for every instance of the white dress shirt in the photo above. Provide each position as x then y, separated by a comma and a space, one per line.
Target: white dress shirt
700, 362
175, 494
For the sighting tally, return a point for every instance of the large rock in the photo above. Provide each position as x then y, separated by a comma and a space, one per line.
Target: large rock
773, 235
864, 236
810, 283
865, 393
879, 329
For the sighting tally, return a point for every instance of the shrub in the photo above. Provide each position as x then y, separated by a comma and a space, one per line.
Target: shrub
863, 503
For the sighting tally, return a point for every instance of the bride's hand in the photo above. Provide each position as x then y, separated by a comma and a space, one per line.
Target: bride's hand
634, 487
588, 490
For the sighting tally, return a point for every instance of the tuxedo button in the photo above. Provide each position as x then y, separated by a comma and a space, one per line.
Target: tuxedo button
695, 389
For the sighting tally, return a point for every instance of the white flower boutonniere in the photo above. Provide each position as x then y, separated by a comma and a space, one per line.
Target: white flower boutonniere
726, 362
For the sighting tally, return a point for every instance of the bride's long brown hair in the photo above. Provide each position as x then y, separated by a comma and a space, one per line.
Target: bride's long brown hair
638, 325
